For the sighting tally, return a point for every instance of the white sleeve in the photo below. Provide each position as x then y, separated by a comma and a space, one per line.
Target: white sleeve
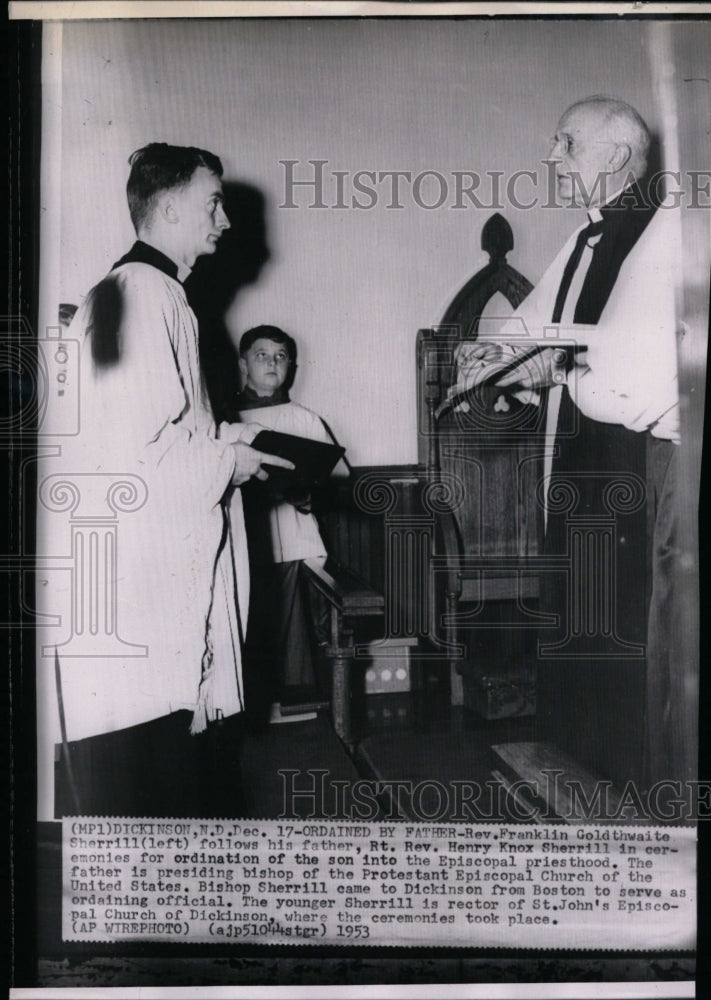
636, 388
629, 375
243, 433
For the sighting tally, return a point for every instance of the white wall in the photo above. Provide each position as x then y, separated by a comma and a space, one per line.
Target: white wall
353, 286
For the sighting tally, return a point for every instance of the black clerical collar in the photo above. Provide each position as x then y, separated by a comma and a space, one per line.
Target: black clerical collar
629, 210
144, 253
630, 199
248, 399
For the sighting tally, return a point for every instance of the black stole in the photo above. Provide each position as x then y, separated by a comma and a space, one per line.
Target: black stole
584, 445
591, 705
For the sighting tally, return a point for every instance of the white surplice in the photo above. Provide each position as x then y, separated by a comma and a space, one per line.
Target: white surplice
181, 571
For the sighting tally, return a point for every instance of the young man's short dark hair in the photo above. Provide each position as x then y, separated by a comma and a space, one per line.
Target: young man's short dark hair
273, 333
160, 167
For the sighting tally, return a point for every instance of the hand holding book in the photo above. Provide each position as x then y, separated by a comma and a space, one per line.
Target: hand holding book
311, 462
251, 462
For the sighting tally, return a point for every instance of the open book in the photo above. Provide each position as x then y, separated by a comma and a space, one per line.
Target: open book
474, 373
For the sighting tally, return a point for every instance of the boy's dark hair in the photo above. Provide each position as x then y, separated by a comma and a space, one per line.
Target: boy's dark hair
159, 167
273, 333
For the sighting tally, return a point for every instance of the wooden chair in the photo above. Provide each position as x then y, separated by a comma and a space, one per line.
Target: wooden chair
485, 458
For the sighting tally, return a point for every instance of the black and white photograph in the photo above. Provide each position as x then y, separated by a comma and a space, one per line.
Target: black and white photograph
357, 367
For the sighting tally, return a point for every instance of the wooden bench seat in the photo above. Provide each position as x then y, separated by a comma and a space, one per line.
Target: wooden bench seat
558, 787
349, 597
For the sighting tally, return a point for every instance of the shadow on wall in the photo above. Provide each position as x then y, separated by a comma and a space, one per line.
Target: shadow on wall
655, 163
215, 282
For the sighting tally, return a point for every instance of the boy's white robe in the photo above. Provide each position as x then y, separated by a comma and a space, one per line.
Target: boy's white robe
176, 556
294, 534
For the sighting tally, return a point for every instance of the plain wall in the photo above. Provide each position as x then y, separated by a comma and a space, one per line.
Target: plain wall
352, 286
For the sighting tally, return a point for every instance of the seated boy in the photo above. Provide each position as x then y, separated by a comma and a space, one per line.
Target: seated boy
281, 532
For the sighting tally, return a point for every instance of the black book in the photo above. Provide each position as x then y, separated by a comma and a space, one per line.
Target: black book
314, 460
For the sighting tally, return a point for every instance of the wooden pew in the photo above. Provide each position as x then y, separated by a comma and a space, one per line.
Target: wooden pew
349, 597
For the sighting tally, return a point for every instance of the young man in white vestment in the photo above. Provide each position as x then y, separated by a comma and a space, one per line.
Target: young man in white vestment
150, 695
